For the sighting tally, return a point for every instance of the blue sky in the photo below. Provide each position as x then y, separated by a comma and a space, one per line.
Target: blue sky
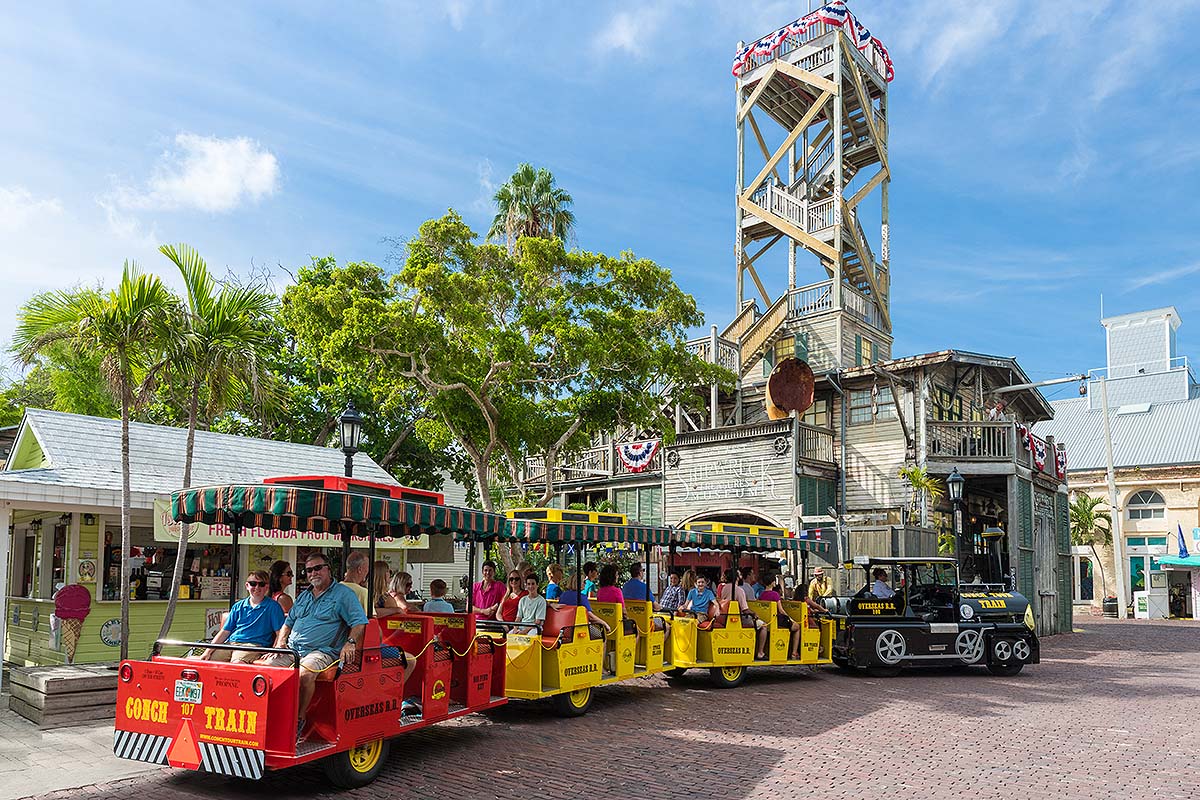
1042, 153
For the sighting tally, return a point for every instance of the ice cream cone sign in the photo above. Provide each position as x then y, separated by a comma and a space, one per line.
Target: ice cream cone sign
71, 605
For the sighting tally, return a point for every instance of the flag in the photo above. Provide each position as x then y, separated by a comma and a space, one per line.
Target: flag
1183, 551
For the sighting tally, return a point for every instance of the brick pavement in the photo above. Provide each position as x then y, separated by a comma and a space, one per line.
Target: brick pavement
1106, 715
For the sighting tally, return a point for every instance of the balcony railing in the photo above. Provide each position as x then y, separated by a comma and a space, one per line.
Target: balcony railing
971, 441
985, 441
816, 444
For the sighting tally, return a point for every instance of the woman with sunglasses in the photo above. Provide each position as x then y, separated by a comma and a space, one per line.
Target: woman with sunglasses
512, 598
253, 621
281, 579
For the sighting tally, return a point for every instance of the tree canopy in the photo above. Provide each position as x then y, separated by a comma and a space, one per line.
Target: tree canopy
530, 204
522, 353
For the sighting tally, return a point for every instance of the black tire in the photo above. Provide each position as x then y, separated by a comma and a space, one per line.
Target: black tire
573, 704
357, 767
727, 677
1005, 670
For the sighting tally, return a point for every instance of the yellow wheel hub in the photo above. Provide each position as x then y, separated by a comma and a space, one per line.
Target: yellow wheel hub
579, 697
731, 673
364, 757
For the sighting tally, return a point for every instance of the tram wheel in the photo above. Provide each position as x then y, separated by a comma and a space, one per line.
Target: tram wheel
1005, 670
727, 677
358, 766
573, 704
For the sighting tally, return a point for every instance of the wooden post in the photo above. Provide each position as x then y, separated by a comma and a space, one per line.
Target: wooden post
714, 410
737, 212
5, 543
838, 175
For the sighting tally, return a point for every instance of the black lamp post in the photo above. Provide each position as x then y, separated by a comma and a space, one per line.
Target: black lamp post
350, 425
955, 484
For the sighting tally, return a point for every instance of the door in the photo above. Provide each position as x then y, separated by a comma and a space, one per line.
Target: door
1045, 546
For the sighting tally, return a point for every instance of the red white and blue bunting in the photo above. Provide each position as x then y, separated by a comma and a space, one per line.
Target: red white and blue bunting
1060, 464
1037, 447
835, 14
636, 456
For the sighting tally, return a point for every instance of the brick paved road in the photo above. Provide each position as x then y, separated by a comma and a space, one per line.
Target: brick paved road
1106, 715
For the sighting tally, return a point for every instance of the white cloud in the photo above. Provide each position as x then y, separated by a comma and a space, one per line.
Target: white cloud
204, 173
1162, 276
629, 31
487, 187
964, 32
456, 12
18, 207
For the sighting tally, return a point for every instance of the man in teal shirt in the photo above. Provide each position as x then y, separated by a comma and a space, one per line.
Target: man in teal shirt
325, 624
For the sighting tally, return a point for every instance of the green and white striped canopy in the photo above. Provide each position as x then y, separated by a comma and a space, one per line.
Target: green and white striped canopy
322, 511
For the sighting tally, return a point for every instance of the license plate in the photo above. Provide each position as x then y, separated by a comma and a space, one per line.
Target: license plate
188, 691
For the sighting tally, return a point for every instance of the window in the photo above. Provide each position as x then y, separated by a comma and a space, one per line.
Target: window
946, 405
865, 408
641, 504
864, 351
817, 414
1146, 504
785, 348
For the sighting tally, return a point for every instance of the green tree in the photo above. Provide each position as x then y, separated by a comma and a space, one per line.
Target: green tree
921, 484
529, 204
132, 330
529, 352
1090, 527
398, 432
226, 335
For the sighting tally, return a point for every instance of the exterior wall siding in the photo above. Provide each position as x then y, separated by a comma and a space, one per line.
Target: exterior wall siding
750, 474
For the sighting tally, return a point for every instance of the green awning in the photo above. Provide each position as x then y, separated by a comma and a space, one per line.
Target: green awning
530, 530
762, 544
284, 507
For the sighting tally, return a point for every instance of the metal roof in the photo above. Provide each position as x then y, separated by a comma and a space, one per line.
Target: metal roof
85, 453
1167, 434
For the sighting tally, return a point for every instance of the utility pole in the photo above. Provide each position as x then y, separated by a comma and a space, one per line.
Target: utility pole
1114, 508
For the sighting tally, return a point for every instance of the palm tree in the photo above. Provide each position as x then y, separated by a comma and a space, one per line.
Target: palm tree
131, 329
529, 204
922, 483
1091, 527
228, 333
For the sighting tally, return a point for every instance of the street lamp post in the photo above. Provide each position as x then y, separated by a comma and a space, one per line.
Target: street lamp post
955, 485
350, 425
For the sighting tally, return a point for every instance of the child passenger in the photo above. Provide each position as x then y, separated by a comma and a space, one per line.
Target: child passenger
437, 604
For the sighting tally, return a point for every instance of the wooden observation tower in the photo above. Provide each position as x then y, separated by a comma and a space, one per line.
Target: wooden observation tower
812, 162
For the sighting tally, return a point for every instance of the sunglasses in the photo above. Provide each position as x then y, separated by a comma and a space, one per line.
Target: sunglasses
288, 574
256, 583
318, 568
514, 579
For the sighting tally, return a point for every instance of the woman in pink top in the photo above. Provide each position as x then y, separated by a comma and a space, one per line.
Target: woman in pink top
738, 597
771, 595
608, 591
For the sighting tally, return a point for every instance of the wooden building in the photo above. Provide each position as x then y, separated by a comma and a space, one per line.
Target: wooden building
802, 206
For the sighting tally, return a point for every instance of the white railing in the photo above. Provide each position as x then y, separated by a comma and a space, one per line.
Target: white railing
820, 215
820, 159
971, 441
812, 299
727, 352
785, 205
790, 44
862, 307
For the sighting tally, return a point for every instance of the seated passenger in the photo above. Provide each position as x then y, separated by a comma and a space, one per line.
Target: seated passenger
750, 583
398, 588
554, 576
437, 604
325, 625
607, 591
818, 589
253, 621
880, 588
384, 604
771, 594
748, 617
573, 597
700, 600
487, 593
590, 584
532, 606
507, 612
673, 596
636, 589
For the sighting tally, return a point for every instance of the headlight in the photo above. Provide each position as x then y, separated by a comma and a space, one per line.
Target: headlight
1030, 622
966, 611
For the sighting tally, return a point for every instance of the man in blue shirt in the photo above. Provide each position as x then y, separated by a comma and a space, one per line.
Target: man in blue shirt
635, 588
252, 621
325, 624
